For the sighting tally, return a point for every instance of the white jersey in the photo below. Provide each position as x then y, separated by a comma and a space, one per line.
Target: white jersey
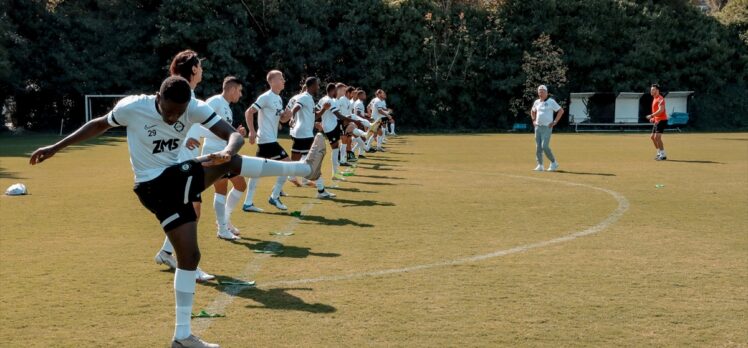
153, 143
329, 120
359, 108
303, 126
269, 107
223, 109
377, 105
345, 106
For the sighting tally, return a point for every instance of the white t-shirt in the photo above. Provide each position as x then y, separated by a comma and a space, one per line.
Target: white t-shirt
223, 109
345, 107
545, 110
154, 144
269, 107
376, 106
359, 108
329, 120
303, 126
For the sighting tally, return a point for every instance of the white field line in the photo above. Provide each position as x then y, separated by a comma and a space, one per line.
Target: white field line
623, 206
224, 299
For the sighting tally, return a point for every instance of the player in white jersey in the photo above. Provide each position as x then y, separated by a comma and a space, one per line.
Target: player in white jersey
345, 107
156, 125
223, 200
330, 125
379, 112
269, 105
359, 113
302, 131
188, 65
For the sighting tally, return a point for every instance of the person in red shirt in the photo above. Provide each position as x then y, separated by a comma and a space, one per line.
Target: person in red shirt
659, 118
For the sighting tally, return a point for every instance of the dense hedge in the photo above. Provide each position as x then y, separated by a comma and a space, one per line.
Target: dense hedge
446, 64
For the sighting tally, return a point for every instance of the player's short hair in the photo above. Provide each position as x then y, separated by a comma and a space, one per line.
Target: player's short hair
183, 63
656, 85
310, 81
379, 91
273, 73
350, 89
330, 87
176, 89
360, 91
231, 80
340, 85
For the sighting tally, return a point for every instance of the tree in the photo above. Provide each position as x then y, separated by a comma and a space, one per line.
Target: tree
544, 65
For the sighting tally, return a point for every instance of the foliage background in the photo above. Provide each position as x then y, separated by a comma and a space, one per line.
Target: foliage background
466, 65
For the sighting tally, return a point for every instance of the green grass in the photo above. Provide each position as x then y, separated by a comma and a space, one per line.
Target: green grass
76, 255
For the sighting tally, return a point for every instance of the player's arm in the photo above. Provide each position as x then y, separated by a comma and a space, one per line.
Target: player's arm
225, 131
249, 116
318, 112
285, 116
659, 110
89, 130
559, 114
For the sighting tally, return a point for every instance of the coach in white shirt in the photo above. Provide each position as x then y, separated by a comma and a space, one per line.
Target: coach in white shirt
542, 118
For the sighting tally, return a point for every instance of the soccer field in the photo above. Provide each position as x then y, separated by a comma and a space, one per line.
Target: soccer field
444, 241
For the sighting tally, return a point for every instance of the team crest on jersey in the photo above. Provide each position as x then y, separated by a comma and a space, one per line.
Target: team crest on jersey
185, 167
179, 126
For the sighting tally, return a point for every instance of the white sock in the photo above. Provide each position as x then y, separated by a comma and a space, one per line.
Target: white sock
167, 247
368, 142
231, 200
335, 160
379, 141
184, 293
393, 127
253, 167
278, 187
343, 154
251, 188
320, 184
359, 147
219, 205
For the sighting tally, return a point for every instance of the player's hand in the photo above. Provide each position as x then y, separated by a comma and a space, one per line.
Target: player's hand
553, 123
327, 106
649, 117
217, 158
42, 154
192, 143
252, 137
242, 130
318, 126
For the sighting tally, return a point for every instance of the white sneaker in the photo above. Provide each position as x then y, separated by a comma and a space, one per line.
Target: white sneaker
553, 167
252, 208
225, 234
202, 277
326, 194
539, 168
315, 157
276, 202
192, 342
164, 258
233, 229
338, 177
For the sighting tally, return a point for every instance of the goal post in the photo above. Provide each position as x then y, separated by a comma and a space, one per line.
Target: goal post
99, 104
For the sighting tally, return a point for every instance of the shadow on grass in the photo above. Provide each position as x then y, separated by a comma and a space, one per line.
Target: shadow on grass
734, 139
326, 221
694, 161
4, 174
362, 203
350, 189
583, 173
380, 177
277, 298
289, 251
24, 145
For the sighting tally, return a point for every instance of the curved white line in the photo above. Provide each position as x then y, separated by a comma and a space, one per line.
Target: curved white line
623, 206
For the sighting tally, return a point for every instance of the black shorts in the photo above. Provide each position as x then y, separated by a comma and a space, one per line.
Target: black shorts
659, 127
273, 151
301, 145
170, 195
333, 136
